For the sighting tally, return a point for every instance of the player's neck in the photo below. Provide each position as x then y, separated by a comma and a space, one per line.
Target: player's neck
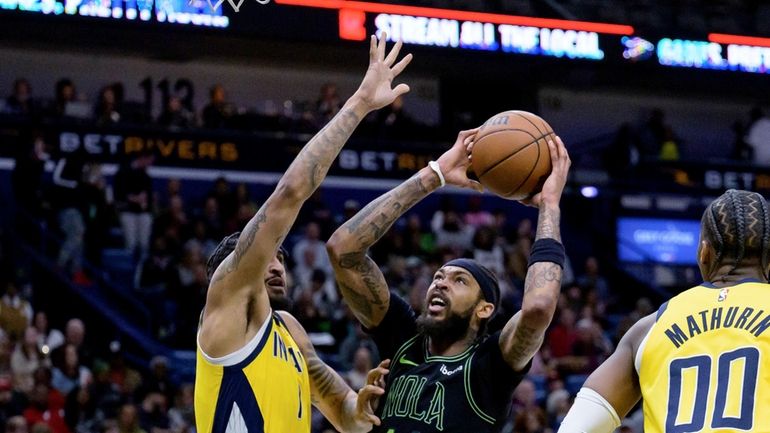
726, 276
441, 347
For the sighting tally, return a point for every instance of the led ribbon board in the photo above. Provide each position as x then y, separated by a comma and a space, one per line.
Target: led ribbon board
470, 30
194, 13
720, 52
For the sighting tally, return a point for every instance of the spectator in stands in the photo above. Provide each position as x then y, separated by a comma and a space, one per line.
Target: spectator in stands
15, 312
20, 101
175, 115
174, 217
518, 251
324, 294
16, 424
328, 103
202, 238
589, 350
218, 112
68, 192
557, 405
153, 413
653, 134
134, 201
181, 416
477, 216
65, 94
525, 396
48, 339
104, 393
159, 380
669, 150
486, 252
362, 363
26, 359
97, 212
758, 137
563, 336
41, 410
211, 217
27, 176
623, 154
81, 412
12, 403
532, 421
394, 122
75, 334
106, 108
453, 233
70, 373
128, 421
593, 280
225, 198
309, 254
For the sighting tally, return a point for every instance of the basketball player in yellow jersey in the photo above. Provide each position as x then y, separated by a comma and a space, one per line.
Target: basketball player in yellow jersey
256, 369
700, 362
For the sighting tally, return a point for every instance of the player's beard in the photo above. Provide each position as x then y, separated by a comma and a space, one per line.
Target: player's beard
452, 328
280, 303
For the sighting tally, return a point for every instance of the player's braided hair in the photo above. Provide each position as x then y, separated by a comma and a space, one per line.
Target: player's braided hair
737, 225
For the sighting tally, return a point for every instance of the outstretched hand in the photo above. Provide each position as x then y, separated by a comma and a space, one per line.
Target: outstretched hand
554, 184
369, 395
454, 162
376, 89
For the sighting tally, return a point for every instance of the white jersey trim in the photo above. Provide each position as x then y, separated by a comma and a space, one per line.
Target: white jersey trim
640, 350
241, 354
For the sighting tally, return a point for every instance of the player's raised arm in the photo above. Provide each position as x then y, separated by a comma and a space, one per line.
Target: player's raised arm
360, 280
261, 237
523, 334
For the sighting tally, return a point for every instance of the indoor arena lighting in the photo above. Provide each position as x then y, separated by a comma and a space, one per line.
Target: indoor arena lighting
382, 8
589, 191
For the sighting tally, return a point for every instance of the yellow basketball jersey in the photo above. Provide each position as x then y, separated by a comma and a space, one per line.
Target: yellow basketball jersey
703, 366
262, 388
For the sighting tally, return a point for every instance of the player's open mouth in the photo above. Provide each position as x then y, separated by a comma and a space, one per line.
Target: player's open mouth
436, 304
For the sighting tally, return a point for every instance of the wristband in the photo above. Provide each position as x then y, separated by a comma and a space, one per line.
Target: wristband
547, 250
435, 167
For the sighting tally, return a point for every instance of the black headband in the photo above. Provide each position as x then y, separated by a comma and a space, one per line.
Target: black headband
486, 279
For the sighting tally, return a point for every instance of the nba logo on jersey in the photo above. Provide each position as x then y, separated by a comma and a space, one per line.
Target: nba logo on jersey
723, 294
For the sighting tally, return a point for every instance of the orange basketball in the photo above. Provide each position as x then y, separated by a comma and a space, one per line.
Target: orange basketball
510, 154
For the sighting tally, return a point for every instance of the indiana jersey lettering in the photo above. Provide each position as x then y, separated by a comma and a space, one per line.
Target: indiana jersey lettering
262, 388
703, 365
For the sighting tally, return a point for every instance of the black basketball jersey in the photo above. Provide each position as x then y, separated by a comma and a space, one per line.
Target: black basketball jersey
468, 392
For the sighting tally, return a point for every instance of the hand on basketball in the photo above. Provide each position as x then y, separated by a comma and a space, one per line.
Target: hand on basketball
376, 89
454, 162
554, 185
369, 395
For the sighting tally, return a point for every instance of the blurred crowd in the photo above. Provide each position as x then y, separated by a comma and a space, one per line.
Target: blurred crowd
54, 381
111, 107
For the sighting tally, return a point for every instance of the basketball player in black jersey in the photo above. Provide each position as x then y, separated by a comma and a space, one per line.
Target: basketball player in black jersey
446, 373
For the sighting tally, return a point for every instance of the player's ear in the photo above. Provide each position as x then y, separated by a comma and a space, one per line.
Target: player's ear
705, 253
485, 309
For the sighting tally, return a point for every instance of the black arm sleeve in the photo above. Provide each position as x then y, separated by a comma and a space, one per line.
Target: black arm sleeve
398, 325
492, 379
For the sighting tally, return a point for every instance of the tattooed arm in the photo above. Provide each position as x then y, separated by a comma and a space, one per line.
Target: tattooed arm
360, 280
239, 280
523, 334
342, 406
